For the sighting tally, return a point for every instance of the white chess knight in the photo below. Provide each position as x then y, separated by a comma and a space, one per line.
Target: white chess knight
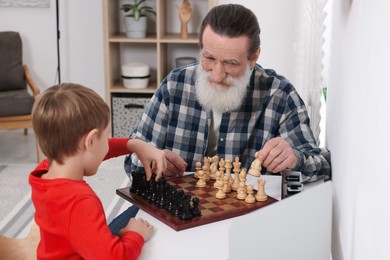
255, 169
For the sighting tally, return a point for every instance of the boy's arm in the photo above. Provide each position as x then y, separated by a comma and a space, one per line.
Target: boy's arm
91, 238
118, 147
153, 159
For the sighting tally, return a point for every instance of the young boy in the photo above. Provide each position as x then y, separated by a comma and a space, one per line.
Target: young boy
71, 123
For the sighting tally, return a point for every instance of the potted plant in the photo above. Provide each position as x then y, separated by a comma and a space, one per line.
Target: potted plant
136, 19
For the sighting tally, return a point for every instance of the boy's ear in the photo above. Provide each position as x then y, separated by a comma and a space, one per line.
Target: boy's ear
90, 138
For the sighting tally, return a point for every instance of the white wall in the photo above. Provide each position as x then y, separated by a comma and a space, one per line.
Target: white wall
278, 21
357, 126
82, 43
82, 57
37, 27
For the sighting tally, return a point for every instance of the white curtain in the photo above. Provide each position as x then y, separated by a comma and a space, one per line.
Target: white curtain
309, 45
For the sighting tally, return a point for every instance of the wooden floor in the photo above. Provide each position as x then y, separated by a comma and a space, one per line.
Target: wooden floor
15, 147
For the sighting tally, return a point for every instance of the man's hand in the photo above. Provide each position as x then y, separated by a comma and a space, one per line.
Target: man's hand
175, 164
277, 155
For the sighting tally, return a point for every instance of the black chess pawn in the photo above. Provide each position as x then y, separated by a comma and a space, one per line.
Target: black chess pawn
195, 207
185, 210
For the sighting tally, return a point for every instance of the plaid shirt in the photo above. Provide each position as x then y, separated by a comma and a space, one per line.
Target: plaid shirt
175, 120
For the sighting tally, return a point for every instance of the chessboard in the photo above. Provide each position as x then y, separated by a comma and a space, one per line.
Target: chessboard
211, 208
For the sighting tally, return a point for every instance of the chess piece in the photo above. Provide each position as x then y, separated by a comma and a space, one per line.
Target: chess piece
220, 194
236, 164
198, 167
178, 201
207, 162
228, 166
261, 196
185, 210
250, 198
228, 170
242, 177
153, 192
222, 165
195, 207
218, 176
214, 166
236, 171
236, 181
206, 171
171, 199
185, 13
162, 198
226, 184
241, 191
201, 183
255, 168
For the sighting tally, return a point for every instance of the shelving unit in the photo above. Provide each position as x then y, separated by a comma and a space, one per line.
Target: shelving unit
158, 49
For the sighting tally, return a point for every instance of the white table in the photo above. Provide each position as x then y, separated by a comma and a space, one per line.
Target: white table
243, 237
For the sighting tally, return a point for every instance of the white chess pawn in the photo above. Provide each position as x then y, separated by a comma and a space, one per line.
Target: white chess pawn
261, 196
250, 198
241, 192
226, 186
220, 194
206, 171
198, 167
201, 183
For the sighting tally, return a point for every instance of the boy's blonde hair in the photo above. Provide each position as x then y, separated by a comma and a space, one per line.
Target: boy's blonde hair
63, 114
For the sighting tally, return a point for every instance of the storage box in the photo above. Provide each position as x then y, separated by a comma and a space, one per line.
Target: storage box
126, 114
135, 75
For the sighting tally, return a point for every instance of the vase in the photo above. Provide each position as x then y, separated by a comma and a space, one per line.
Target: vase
135, 29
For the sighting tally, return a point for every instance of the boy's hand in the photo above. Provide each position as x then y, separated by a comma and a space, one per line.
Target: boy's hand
153, 159
140, 226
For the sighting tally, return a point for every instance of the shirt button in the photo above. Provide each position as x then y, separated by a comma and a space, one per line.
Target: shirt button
221, 139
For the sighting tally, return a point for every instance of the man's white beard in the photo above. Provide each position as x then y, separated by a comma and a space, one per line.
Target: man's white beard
221, 98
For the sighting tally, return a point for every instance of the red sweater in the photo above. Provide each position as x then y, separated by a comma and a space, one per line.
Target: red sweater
72, 220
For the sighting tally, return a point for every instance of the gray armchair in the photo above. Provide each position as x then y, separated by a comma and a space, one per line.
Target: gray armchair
16, 102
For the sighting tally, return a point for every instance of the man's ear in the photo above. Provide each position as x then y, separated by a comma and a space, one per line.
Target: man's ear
255, 56
90, 138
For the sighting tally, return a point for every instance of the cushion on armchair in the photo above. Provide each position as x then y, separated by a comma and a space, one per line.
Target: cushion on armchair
15, 103
11, 62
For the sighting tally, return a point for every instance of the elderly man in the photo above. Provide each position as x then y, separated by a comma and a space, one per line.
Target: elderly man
228, 105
